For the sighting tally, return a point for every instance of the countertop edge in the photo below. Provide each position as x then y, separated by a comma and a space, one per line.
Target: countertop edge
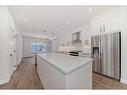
68, 72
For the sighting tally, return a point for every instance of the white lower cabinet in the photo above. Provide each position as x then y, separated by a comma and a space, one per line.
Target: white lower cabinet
53, 78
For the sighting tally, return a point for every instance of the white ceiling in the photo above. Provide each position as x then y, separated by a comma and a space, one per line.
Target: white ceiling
36, 19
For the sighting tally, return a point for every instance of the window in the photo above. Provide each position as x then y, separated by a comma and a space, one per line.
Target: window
38, 47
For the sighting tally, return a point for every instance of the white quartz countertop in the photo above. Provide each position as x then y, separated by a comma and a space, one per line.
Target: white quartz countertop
65, 63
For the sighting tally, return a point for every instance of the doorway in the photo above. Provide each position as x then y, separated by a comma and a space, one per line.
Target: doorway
12, 50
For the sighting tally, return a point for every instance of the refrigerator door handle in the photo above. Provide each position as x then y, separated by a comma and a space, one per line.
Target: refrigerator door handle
104, 28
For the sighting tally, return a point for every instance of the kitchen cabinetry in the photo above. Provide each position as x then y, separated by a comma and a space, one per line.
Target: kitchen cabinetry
58, 71
109, 21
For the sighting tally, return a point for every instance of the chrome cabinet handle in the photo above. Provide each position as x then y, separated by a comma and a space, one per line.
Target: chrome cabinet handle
103, 28
11, 54
100, 30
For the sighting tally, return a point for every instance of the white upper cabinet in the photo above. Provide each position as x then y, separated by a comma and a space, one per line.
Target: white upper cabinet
108, 21
95, 26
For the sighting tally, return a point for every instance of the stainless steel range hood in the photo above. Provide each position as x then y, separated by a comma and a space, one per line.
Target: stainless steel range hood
76, 37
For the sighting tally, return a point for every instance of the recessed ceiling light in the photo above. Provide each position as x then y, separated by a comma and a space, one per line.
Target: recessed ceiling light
57, 29
52, 33
43, 26
25, 20
44, 31
68, 22
90, 9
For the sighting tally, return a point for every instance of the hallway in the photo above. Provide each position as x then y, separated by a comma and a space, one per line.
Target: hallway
25, 77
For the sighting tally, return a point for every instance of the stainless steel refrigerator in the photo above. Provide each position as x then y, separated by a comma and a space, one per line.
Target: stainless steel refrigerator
106, 52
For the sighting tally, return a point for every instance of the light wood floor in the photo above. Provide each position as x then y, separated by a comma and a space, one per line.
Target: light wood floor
102, 82
25, 77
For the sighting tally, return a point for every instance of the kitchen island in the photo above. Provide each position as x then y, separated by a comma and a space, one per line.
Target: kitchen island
59, 71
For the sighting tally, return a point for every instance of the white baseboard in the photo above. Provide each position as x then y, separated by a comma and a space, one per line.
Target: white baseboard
8, 79
20, 61
123, 81
4, 81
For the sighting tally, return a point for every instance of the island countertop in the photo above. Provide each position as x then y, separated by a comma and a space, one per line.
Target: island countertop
65, 63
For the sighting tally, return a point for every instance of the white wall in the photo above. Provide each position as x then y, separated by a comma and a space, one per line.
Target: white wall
4, 46
6, 20
124, 45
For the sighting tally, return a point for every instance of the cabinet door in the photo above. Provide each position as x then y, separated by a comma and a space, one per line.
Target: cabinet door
110, 21
95, 27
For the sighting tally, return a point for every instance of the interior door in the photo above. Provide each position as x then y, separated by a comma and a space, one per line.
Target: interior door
12, 50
